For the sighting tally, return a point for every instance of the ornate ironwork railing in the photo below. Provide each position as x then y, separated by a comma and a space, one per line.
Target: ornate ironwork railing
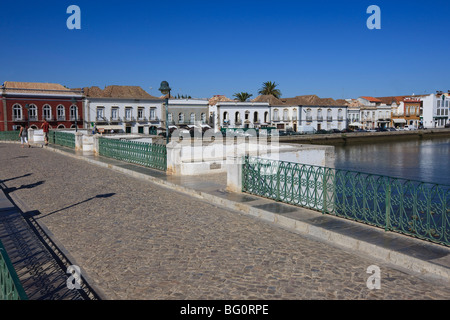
141, 153
10, 286
9, 136
65, 139
410, 207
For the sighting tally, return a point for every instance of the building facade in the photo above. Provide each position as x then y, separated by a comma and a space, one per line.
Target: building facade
436, 109
319, 113
127, 109
189, 113
30, 103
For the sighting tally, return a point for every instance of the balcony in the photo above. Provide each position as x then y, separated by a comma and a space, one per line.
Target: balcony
238, 122
98, 119
308, 119
329, 119
114, 119
340, 118
129, 119
60, 118
319, 119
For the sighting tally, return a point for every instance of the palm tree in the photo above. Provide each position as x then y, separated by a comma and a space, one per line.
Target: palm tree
242, 96
269, 89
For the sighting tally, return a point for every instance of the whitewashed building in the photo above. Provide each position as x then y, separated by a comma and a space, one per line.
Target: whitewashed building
436, 110
319, 113
127, 109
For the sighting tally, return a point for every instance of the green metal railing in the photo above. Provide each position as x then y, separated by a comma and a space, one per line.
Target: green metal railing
65, 139
410, 207
141, 153
10, 286
9, 136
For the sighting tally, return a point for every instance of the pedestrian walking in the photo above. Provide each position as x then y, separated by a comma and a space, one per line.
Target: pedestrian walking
23, 134
46, 127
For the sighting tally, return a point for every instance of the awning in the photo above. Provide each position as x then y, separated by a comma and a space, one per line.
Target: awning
110, 127
399, 120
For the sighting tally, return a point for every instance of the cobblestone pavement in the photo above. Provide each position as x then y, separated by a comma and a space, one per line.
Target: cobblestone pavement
137, 240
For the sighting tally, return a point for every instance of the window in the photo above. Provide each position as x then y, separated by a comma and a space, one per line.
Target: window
255, 117
33, 113
225, 116
128, 112
141, 113
47, 112
60, 111
276, 116
192, 118
73, 113
181, 117
247, 115
100, 113
203, 118
152, 114
285, 115
17, 112
266, 117
170, 118
115, 113
319, 115
308, 115
237, 117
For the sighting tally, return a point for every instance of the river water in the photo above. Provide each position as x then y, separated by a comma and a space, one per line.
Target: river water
425, 160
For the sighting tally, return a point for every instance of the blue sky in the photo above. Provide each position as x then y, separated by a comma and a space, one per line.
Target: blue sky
208, 47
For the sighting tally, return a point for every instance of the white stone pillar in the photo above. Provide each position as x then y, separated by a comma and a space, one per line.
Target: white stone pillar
96, 145
78, 141
234, 174
174, 158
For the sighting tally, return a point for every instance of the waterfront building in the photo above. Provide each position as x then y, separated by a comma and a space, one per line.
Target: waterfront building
282, 116
190, 113
436, 110
127, 109
32, 103
250, 114
319, 113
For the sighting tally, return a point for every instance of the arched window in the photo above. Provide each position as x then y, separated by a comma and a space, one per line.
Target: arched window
276, 116
17, 112
225, 116
180, 117
61, 113
192, 118
319, 115
73, 113
308, 115
329, 115
170, 118
285, 115
61, 126
47, 112
237, 117
266, 117
33, 113
203, 118
255, 117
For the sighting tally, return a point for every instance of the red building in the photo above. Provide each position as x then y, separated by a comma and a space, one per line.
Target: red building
31, 103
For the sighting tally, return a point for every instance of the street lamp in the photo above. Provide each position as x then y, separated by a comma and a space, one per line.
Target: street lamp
27, 106
165, 90
74, 102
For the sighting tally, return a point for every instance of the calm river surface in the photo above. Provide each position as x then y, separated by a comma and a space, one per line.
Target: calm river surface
423, 160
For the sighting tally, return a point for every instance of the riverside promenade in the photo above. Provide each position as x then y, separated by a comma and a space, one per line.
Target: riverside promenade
139, 234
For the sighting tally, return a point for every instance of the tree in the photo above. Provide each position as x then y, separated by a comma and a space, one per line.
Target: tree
242, 96
269, 88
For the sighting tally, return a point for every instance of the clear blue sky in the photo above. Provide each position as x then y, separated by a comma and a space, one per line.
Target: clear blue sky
208, 47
